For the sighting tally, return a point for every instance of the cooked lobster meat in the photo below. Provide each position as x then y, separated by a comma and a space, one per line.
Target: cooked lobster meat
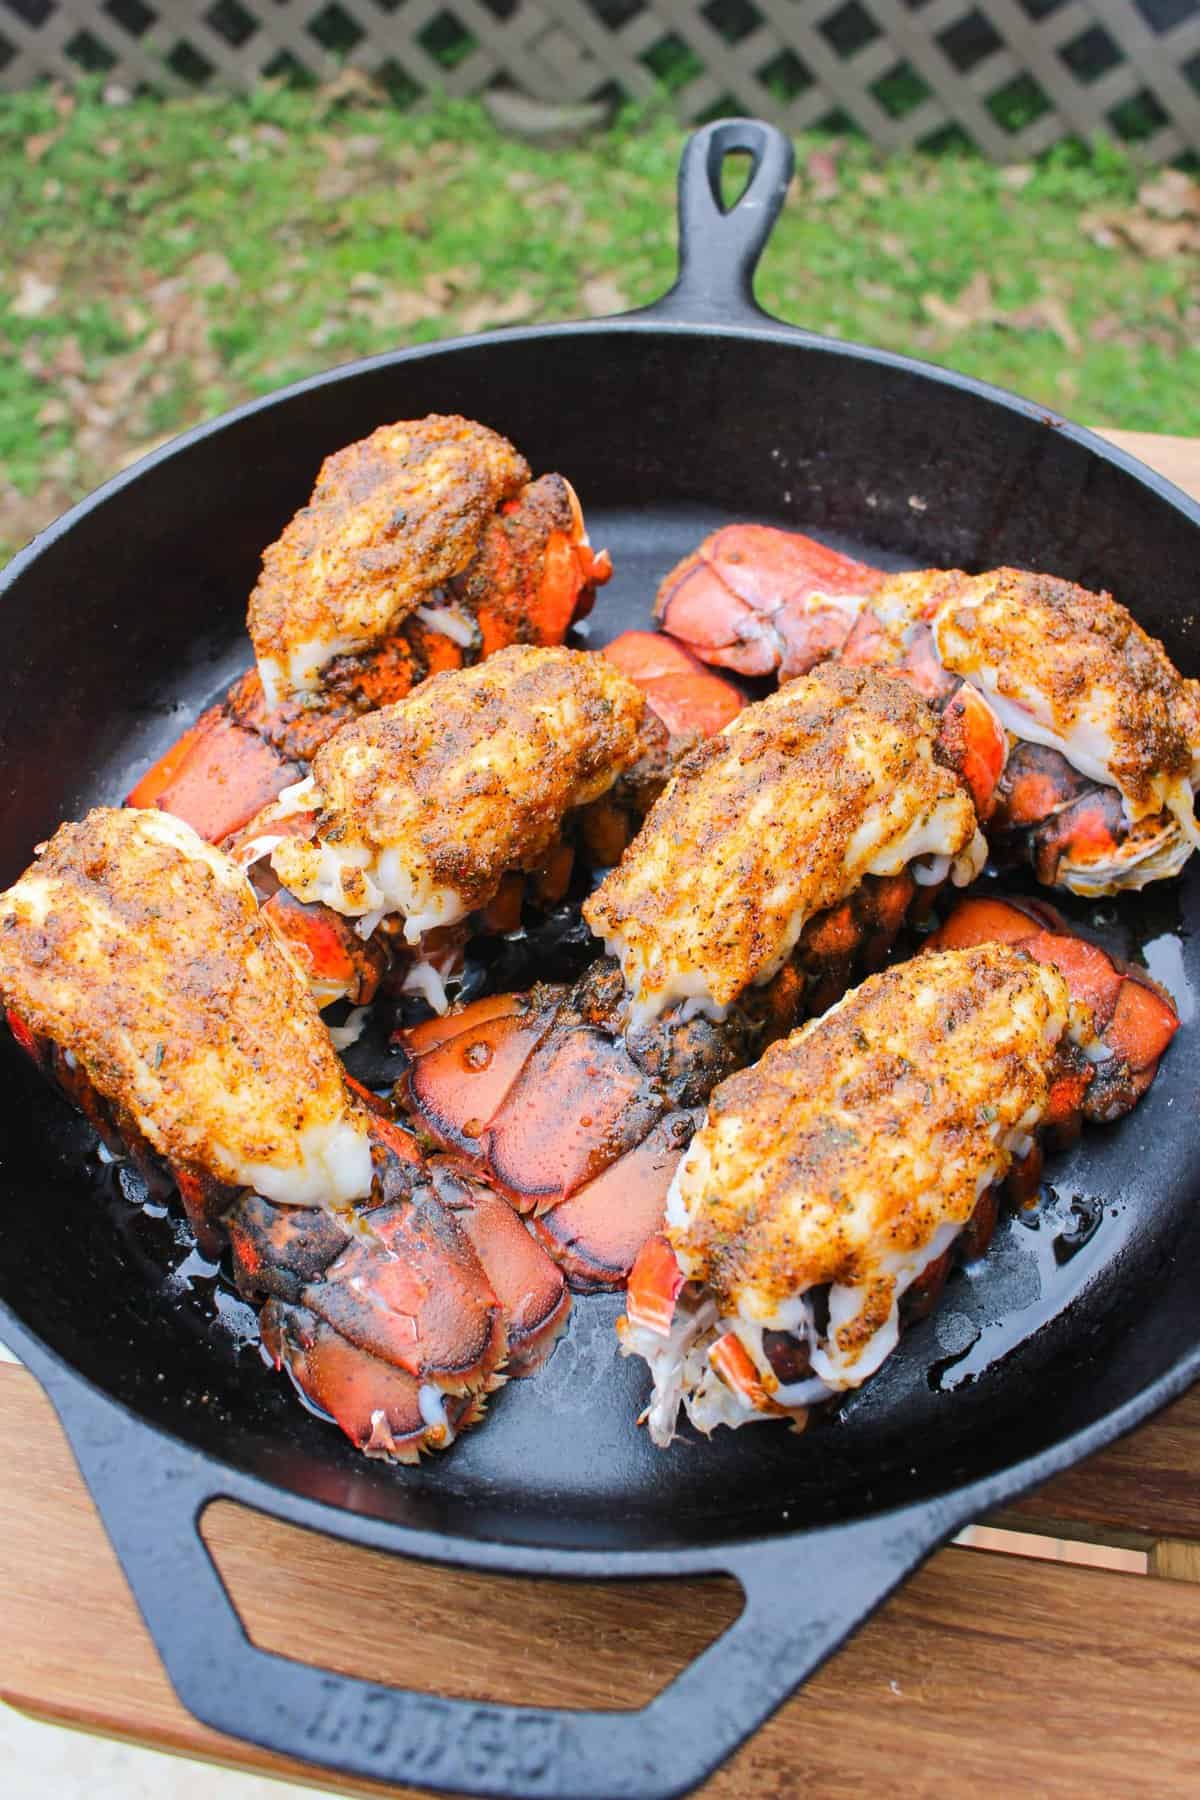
139, 953
421, 809
339, 963
833, 1180
764, 601
1098, 792
775, 820
424, 546
141, 976
393, 519
780, 851
1104, 732
458, 802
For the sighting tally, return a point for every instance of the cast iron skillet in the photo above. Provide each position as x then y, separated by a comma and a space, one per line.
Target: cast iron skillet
128, 613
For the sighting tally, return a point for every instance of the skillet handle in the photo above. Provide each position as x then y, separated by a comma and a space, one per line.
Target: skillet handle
803, 1597
719, 249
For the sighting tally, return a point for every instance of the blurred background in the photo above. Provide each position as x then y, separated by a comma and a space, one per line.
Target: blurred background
202, 202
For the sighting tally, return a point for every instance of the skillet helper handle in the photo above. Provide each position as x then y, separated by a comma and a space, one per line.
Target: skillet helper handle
803, 1597
718, 248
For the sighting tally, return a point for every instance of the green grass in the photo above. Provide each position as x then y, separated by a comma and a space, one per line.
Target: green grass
165, 260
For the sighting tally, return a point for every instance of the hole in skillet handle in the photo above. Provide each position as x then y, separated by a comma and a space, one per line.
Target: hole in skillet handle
804, 1596
719, 247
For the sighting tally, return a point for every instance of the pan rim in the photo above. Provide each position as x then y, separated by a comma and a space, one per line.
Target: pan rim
645, 323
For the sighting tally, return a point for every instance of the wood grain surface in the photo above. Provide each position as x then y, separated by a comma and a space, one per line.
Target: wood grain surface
986, 1674
1177, 458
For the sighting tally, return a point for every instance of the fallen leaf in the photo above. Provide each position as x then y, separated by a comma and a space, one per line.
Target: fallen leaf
34, 296
37, 145
395, 309
1017, 175
1172, 194
602, 295
974, 306
1160, 239
325, 333
210, 270
68, 358
332, 148
1104, 329
164, 293
488, 312
352, 87
443, 285
337, 182
1047, 313
821, 168
1156, 238
54, 412
1100, 232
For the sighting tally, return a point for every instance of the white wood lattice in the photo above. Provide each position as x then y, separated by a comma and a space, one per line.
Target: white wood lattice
1011, 75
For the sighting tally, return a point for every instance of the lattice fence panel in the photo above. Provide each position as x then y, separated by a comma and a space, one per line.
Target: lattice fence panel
1010, 75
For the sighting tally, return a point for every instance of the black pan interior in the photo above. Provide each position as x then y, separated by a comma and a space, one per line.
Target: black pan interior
123, 625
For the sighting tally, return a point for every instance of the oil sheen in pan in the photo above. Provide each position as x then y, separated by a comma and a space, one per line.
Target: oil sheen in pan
1001, 1307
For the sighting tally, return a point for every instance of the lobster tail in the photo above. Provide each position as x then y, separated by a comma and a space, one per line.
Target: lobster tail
383, 1410
400, 1321
690, 700
222, 771
528, 1285
578, 1122
1134, 1018
760, 601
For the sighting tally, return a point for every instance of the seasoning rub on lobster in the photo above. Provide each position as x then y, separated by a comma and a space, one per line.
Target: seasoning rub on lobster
783, 850
418, 812
139, 973
425, 546
434, 819
821, 1202
1104, 733
1098, 794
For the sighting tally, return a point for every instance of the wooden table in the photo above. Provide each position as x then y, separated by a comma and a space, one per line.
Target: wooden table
987, 1674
